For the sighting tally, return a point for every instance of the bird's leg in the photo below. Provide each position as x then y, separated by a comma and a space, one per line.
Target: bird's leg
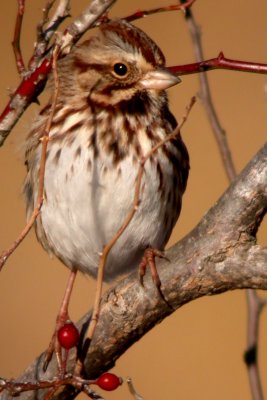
62, 317
148, 260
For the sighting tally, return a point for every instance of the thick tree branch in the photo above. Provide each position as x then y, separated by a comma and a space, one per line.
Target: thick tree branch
220, 254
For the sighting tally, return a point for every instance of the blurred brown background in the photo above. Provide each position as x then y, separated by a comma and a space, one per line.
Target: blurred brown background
198, 351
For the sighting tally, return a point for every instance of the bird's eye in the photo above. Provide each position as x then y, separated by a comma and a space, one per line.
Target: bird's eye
120, 69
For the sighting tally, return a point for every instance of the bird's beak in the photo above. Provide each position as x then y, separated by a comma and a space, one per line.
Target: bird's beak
159, 79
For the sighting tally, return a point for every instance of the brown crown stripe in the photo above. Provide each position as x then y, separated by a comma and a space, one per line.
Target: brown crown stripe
137, 39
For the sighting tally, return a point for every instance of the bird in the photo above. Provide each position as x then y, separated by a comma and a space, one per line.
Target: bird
112, 109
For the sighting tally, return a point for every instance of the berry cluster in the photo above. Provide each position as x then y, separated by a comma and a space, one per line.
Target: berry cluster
68, 337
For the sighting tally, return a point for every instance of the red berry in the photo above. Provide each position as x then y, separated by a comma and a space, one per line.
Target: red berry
68, 335
108, 381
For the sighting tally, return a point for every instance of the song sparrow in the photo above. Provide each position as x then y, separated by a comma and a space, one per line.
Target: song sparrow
111, 110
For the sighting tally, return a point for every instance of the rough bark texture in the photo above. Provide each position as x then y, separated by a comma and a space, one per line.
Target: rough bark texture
220, 254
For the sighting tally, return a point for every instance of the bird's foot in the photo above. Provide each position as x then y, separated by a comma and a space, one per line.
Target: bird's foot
148, 260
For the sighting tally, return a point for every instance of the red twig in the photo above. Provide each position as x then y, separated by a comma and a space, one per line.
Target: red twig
145, 13
16, 41
28, 90
219, 62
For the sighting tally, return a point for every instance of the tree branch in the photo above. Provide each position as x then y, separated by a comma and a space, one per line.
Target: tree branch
220, 254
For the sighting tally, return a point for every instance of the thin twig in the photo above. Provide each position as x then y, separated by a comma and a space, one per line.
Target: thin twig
16, 41
62, 11
15, 387
254, 302
91, 393
132, 390
50, 392
45, 33
255, 306
44, 20
44, 139
144, 13
219, 62
207, 100
41, 44
129, 217
84, 21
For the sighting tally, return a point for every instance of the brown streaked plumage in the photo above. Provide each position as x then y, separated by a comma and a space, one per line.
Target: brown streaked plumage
112, 109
